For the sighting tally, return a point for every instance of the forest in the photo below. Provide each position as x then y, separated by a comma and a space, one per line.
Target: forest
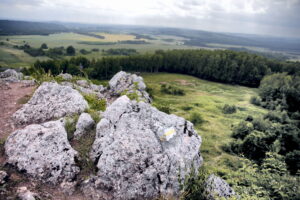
219, 65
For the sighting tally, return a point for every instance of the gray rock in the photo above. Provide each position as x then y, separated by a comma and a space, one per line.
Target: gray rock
28, 83
68, 188
84, 124
140, 152
24, 194
83, 83
216, 187
50, 101
65, 76
43, 151
3, 177
10, 75
129, 83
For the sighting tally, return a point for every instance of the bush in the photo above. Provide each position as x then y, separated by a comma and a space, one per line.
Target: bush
228, 109
70, 51
94, 102
163, 108
196, 118
172, 90
186, 108
44, 46
255, 100
293, 161
242, 130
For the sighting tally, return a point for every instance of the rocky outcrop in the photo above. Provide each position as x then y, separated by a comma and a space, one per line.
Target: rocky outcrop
140, 152
43, 152
128, 83
216, 187
10, 75
50, 101
83, 125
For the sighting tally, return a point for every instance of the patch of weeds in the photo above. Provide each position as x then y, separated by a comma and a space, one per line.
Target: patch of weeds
194, 184
94, 114
196, 119
24, 99
242, 108
83, 147
229, 109
172, 90
94, 102
186, 108
255, 100
131, 95
70, 126
198, 104
100, 82
163, 108
150, 91
2, 143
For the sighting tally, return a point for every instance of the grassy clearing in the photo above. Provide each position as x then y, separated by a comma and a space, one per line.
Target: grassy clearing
206, 99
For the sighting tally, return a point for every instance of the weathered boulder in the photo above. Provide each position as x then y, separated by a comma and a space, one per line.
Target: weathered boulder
83, 125
43, 152
10, 75
50, 101
66, 76
140, 152
216, 187
128, 83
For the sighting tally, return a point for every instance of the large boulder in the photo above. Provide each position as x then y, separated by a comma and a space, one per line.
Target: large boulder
43, 152
50, 101
141, 152
216, 188
11, 75
123, 82
83, 125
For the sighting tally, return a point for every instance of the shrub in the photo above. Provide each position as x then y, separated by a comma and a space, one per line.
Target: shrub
186, 108
70, 50
228, 109
44, 46
196, 118
172, 90
274, 163
242, 130
70, 126
94, 102
255, 100
163, 108
261, 124
293, 161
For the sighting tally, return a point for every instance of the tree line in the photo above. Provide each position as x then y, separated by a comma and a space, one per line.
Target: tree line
219, 65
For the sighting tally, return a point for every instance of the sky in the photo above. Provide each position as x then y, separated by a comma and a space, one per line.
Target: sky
265, 17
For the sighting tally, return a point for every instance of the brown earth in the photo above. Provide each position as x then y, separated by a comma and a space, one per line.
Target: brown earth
12, 97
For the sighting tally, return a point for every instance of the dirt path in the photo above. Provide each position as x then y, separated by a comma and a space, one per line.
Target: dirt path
11, 97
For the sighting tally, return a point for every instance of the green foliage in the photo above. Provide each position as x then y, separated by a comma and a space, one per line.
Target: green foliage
70, 51
229, 109
163, 107
187, 108
44, 46
196, 119
172, 90
292, 159
255, 100
94, 114
194, 185
94, 102
242, 130
70, 126
274, 163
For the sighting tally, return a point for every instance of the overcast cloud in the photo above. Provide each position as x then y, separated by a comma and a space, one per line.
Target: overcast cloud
268, 17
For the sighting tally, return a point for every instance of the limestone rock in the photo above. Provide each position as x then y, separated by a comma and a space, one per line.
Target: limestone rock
140, 151
10, 75
68, 188
216, 188
66, 76
129, 83
24, 194
84, 124
43, 151
3, 177
50, 101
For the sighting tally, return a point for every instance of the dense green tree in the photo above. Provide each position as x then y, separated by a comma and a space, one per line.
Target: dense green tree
44, 46
70, 51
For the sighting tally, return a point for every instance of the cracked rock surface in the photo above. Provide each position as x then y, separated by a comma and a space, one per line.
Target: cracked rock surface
42, 151
50, 101
216, 188
140, 152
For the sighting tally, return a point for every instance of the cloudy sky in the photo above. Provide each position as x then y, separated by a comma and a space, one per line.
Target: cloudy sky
267, 17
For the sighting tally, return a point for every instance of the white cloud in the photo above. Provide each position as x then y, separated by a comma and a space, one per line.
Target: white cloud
221, 15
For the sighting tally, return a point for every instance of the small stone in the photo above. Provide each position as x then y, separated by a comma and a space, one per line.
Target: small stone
68, 188
65, 76
24, 194
3, 177
84, 124
216, 187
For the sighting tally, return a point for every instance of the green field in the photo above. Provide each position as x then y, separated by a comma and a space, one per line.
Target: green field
10, 56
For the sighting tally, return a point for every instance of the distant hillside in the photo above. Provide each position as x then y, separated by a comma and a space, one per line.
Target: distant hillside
8, 27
